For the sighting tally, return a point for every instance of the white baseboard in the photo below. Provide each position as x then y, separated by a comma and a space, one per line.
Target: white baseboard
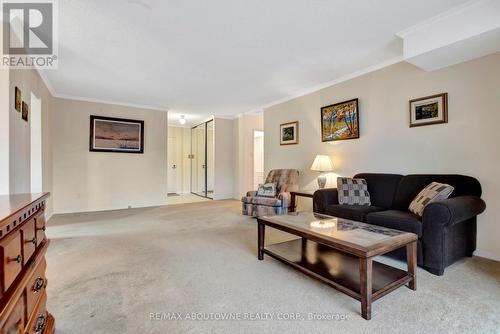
487, 255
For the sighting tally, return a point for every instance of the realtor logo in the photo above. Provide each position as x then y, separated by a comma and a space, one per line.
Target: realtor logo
28, 34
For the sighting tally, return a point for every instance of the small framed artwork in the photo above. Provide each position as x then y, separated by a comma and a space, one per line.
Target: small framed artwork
429, 110
119, 135
17, 98
289, 133
340, 121
25, 112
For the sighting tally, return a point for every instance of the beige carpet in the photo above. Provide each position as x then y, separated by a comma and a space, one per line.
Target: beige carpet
109, 271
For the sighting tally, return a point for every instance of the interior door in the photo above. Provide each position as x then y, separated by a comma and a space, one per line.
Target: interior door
172, 174
198, 168
201, 164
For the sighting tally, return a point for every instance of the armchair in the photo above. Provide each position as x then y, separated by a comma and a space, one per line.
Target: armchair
286, 181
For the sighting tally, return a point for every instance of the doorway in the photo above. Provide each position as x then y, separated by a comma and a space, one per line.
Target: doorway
258, 158
179, 166
36, 144
172, 175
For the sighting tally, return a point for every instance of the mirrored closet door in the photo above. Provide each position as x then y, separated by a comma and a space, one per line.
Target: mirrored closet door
202, 159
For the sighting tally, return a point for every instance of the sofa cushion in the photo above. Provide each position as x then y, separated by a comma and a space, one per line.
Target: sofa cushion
353, 212
267, 190
261, 201
398, 220
433, 192
353, 191
411, 185
382, 188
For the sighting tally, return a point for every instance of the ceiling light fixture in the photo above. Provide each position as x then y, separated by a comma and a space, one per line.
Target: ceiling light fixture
182, 120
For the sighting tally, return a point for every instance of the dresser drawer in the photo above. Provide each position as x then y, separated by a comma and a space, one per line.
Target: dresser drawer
40, 228
28, 234
35, 287
12, 258
15, 321
38, 321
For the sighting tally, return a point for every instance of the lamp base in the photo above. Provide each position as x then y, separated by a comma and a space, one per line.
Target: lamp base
321, 181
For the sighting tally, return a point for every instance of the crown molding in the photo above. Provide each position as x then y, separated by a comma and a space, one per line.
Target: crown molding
116, 103
451, 12
46, 81
256, 111
92, 100
324, 85
179, 126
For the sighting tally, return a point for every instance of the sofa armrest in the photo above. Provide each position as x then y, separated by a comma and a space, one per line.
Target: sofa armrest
324, 197
252, 193
285, 199
452, 210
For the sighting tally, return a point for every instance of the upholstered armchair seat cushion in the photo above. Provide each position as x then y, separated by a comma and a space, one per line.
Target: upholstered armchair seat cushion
269, 201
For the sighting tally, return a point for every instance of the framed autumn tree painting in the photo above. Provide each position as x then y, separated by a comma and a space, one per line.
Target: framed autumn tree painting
340, 121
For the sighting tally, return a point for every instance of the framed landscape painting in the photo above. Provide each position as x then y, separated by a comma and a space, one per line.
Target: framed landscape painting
340, 121
289, 133
118, 135
429, 110
17, 98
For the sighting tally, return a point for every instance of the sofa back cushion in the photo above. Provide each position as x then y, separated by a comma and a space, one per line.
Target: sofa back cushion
382, 188
411, 185
353, 191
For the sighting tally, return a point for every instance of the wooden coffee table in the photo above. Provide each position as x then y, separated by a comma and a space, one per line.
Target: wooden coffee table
340, 252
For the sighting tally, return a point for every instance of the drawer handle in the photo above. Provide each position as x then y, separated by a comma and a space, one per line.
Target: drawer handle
17, 259
40, 323
33, 241
41, 228
39, 283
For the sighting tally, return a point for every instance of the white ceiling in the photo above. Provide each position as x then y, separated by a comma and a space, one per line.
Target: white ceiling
223, 57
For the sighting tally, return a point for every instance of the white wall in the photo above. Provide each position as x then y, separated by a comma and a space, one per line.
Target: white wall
93, 181
243, 152
223, 158
4, 131
468, 144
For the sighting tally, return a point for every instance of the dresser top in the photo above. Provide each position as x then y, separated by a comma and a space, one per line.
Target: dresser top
10, 204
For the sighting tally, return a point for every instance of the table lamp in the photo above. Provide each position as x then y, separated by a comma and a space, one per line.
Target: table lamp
322, 163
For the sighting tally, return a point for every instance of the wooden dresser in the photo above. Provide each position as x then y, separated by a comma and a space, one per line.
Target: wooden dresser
23, 245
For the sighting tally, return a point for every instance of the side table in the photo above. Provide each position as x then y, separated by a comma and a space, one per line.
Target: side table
301, 193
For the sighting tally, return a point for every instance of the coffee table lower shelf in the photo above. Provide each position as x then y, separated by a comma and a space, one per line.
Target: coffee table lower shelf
337, 269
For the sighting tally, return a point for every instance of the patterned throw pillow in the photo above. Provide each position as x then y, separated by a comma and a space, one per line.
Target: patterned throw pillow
353, 191
433, 192
267, 190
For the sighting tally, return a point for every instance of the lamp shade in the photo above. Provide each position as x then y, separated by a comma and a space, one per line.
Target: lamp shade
322, 163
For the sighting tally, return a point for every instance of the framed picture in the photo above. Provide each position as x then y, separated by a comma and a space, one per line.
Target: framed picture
17, 98
289, 133
118, 135
340, 121
429, 110
26, 110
